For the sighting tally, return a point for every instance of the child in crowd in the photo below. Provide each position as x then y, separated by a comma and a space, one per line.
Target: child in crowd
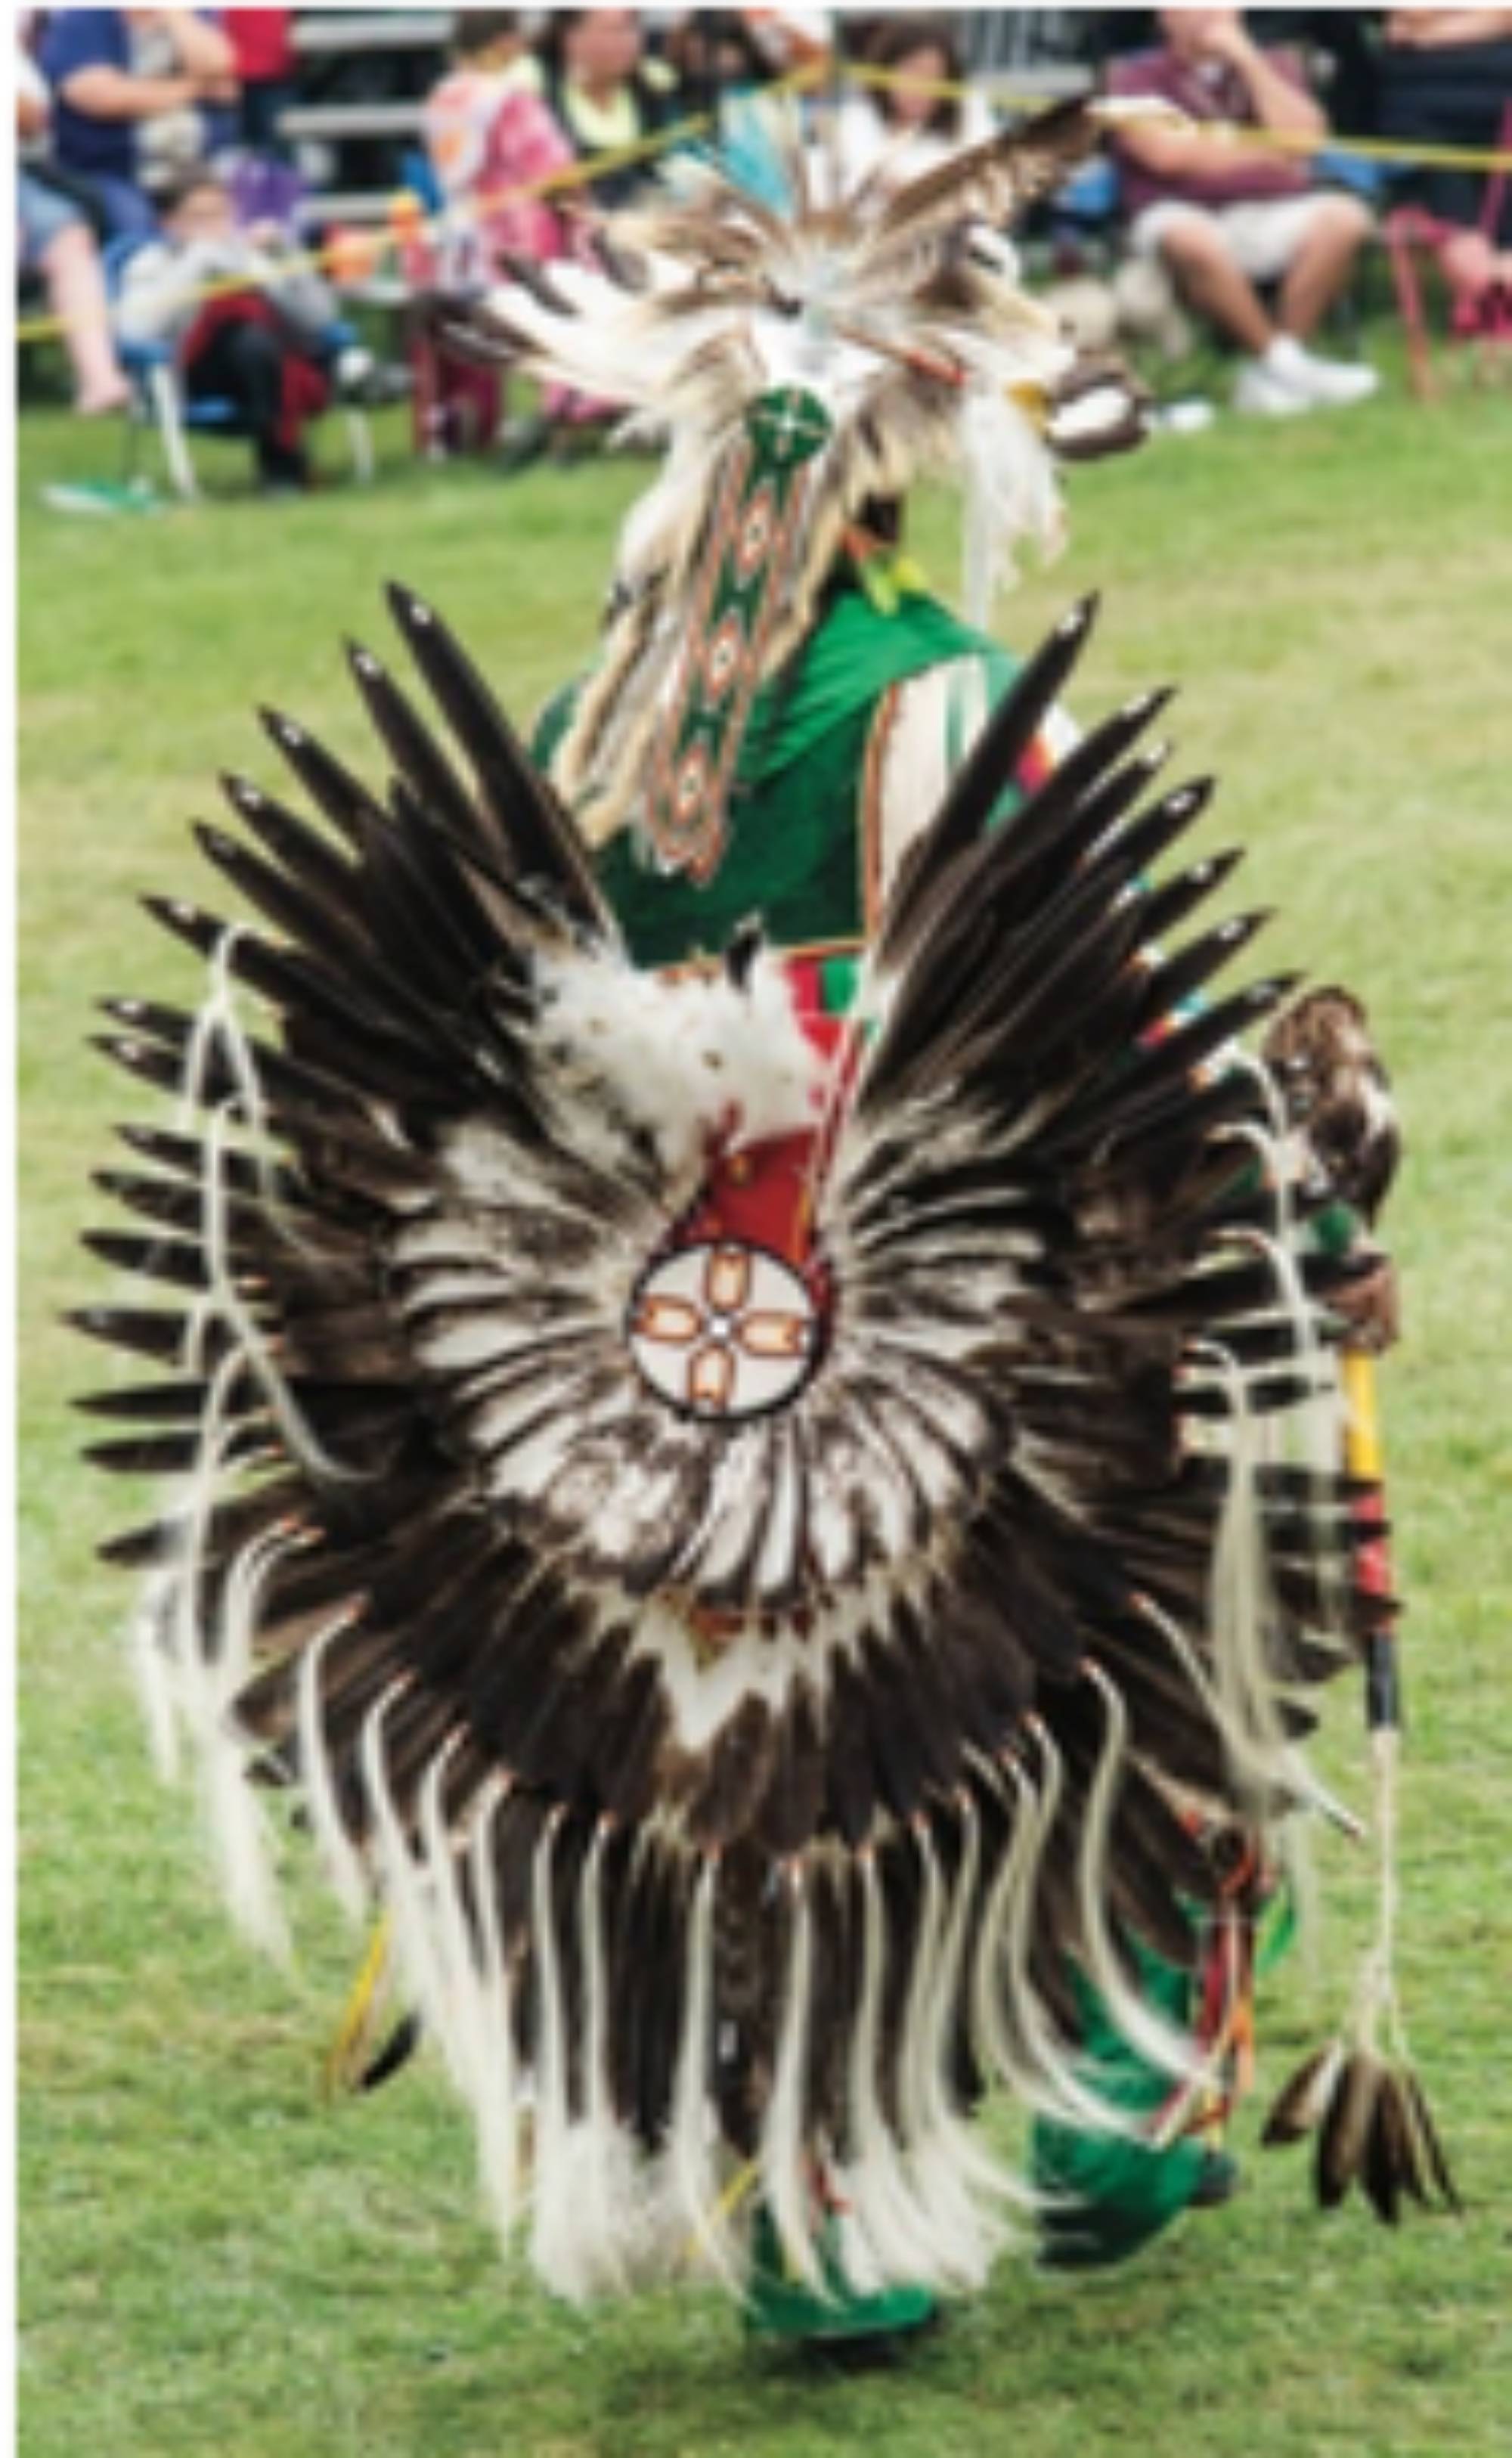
248, 322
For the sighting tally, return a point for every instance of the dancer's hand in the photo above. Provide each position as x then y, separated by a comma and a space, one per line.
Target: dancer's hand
1372, 1308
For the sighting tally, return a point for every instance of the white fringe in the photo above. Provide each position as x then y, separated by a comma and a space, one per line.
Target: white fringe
188, 1678
186, 1642
497, 2106
1237, 1593
219, 1027
940, 2116
787, 2185
239, 1831
248, 1338
465, 2041
992, 2040
1058, 2090
1172, 2051
885, 2236
339, 1856
607, 2164
938, 2162
555, 2247
151, 1668
414, 1928
695, 2176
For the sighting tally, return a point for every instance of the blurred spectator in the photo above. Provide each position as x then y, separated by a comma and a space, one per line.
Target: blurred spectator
603, 94
55, 242
1447, 79
727, 82
264, 59
905, 123
136, 92
1228, 217
790, 39
247, 322
712, 55
488, 135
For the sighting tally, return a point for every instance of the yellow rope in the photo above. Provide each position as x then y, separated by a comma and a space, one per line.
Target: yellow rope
645, 149
571, 174
1364, 148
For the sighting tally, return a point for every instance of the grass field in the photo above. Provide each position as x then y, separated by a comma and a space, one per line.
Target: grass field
213, 2260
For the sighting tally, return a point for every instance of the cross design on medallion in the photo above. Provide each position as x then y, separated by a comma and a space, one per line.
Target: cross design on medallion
791, 424
723, 1330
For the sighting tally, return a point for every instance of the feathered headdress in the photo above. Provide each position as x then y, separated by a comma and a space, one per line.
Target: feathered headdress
802, 368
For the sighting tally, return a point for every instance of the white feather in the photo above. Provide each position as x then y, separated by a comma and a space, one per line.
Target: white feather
785, 2180
686, 1060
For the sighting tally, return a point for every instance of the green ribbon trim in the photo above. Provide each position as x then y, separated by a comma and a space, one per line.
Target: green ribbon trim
748, 561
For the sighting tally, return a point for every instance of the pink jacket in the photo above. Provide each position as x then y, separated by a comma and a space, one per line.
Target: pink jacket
487, 137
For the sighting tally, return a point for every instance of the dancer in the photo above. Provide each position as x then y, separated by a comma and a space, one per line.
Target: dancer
708, 1506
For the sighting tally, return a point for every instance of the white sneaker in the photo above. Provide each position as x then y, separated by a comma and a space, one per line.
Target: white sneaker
1327, 381
1182, 417
352, 368
1261, 393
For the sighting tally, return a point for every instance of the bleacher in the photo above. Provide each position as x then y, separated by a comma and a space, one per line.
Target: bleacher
363, 78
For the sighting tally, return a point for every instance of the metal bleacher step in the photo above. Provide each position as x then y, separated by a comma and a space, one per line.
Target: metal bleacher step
372, 30
330, 120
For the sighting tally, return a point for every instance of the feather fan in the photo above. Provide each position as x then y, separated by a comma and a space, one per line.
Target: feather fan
748, 1687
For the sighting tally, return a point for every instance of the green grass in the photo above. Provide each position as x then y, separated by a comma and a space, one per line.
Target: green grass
212, 2259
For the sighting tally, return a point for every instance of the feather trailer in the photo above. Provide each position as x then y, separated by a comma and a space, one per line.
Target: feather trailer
708, 1538
1369, 2126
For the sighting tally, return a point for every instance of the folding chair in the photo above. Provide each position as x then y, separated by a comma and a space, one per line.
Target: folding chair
158, 399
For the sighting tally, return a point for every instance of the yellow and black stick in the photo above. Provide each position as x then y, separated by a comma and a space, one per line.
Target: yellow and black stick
1364, 2104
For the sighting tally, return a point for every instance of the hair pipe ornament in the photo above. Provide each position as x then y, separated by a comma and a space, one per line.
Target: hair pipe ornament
756, 522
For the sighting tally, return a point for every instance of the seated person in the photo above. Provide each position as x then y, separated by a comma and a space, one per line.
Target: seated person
55, 242
1446, 80
1226, 216
137, 93
245, 323
490, 135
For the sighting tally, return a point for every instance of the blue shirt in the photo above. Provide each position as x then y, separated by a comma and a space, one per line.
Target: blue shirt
88, 38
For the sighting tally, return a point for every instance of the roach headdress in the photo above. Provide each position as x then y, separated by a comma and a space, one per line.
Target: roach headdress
752, 1666
801, 367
